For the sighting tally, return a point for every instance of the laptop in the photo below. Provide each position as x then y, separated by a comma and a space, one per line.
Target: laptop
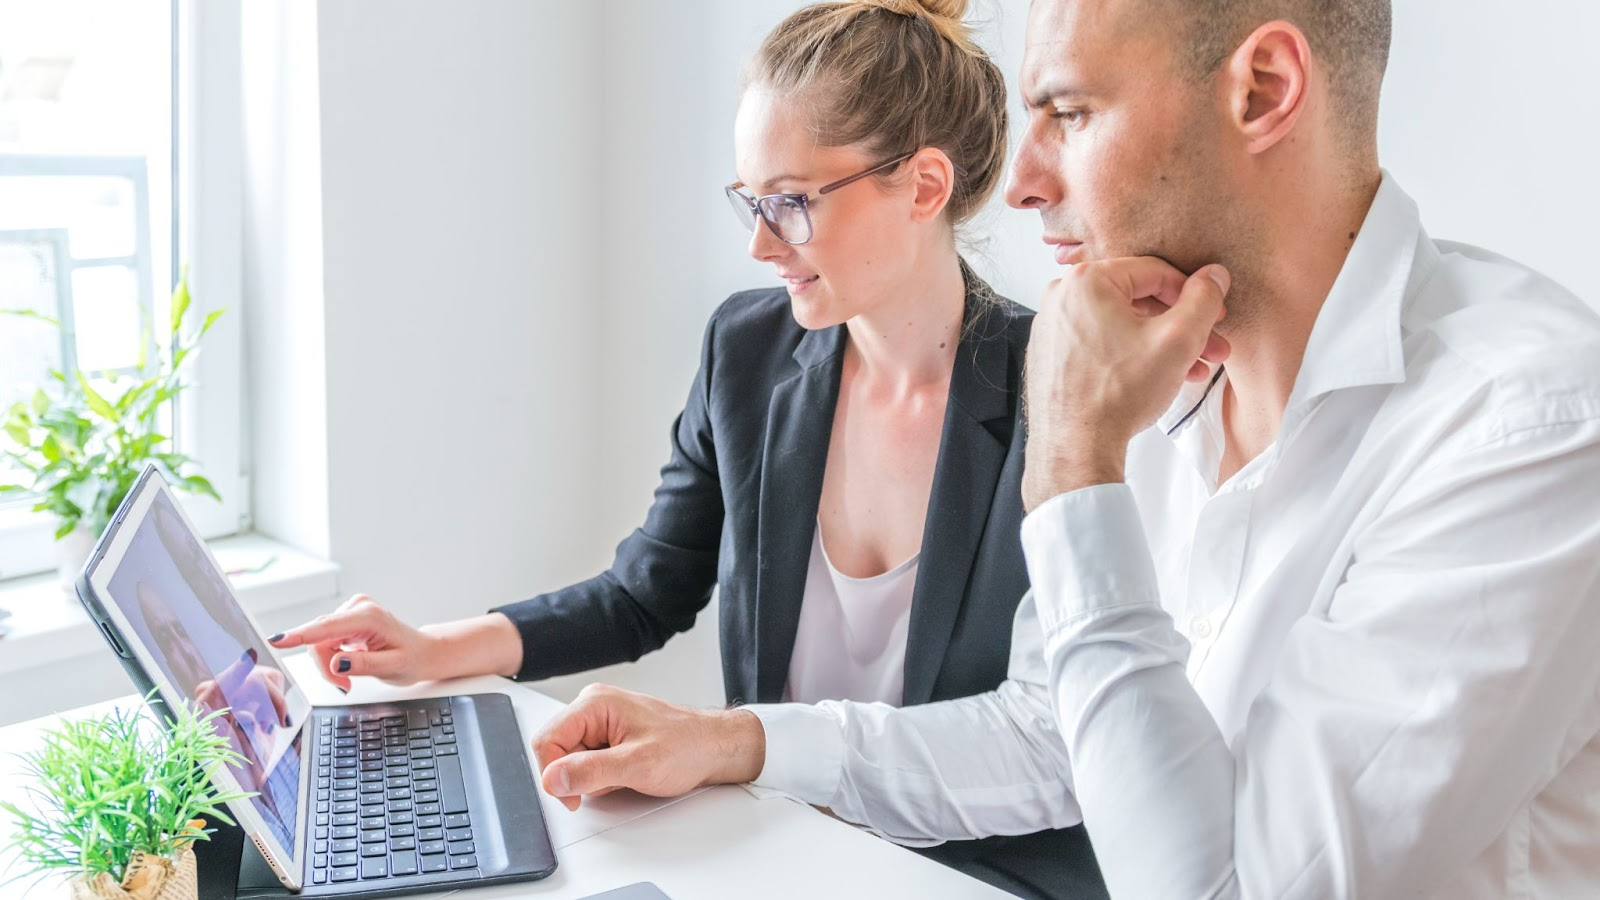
366, 800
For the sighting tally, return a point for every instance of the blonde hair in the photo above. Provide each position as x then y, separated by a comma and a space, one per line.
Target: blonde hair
894, 76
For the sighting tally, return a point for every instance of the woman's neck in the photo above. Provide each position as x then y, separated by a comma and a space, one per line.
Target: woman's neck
908, 340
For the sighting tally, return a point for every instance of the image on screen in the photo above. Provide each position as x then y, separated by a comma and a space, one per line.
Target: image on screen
185, 614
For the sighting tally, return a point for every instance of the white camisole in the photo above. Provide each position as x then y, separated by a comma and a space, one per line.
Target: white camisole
851, 641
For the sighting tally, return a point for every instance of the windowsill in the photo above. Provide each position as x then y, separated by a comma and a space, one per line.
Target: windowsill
47, 624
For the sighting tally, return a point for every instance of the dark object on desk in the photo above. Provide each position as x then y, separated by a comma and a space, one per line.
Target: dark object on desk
644, 890
374, 800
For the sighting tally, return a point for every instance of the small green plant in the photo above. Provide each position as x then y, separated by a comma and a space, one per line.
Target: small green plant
106, 788
81, 451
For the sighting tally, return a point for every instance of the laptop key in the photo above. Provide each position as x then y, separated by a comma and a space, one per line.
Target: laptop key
376, 836
400, 818
402, 831
431, 848
429, 821
402, 843
452, 791
339, 860
464, 862
345, 845
430, 834
375, 867
320, 876
368, 851
348, 873
457, 820
343, 831
427, 809
459, 834
446, 750
435, 863
403, 863
341, 819
458, 848
427, 796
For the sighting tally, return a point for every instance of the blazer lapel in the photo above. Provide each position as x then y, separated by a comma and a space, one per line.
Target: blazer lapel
972, 452
793, 456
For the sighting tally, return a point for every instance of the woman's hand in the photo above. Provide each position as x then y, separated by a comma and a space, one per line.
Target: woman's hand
363, 638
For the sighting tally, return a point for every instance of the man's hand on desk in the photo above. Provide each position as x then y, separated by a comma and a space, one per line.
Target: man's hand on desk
610, 738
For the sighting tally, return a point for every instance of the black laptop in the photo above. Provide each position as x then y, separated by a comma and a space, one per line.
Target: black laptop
367, 800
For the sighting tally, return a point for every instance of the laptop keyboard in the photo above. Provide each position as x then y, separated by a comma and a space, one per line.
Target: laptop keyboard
389, 797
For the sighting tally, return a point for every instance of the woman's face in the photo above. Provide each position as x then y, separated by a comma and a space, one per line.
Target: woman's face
861, 233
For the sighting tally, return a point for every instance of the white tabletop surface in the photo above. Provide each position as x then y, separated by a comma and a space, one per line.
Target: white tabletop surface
720, 842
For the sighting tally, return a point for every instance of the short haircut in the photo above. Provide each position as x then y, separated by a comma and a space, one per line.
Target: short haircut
1350, 38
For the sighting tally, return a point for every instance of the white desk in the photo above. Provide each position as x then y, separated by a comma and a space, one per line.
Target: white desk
716, 843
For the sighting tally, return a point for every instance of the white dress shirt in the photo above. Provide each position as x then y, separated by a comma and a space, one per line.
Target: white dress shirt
1368, 665
850, 643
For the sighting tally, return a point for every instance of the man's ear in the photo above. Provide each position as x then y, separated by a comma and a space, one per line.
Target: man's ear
1268, 82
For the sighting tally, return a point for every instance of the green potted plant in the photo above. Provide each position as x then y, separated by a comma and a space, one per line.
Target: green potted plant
79, 448
118, 800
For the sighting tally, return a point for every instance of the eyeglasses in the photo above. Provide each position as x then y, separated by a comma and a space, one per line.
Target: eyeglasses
789, 215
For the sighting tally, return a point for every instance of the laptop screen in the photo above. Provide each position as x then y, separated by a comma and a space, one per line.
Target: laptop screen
184, 611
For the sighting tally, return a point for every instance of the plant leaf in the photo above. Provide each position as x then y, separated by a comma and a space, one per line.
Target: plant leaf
199, 485
31, 314
211, 319
96, 402
41, 401
180, 300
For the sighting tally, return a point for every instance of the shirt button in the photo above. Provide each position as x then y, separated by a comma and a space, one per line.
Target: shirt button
1200, 626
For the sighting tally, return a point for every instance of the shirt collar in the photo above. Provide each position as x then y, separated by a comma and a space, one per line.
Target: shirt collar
1357, 338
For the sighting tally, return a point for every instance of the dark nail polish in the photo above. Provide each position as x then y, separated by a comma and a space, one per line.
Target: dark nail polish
342, 690
344, 664
275, 638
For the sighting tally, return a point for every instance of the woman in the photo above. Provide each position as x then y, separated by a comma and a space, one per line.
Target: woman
847, 465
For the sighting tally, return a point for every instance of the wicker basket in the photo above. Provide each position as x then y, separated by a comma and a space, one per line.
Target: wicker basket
148, 878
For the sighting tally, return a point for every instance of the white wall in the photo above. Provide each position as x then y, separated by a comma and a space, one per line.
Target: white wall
524, 232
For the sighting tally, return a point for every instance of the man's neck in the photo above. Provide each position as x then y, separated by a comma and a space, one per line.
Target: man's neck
1280, 302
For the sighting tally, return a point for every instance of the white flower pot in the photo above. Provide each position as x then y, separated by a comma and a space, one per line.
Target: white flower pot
72, 552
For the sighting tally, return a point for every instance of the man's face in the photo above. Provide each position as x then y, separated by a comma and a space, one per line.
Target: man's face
1122, 154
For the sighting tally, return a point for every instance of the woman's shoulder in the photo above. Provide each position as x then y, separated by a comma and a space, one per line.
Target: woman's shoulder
763, 310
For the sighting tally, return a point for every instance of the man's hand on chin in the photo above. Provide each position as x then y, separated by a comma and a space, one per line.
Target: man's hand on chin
610, 738
1112, 345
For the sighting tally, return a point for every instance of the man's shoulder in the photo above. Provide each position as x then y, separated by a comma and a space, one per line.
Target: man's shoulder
1486, 327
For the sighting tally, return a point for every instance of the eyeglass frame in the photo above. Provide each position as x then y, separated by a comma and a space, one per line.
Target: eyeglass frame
757, 213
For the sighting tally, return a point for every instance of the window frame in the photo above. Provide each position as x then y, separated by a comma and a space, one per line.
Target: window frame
208, 422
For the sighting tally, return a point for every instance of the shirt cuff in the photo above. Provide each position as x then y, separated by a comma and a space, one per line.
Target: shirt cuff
1086, 550
805, 751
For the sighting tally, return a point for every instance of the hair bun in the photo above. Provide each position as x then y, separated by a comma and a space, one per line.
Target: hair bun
954, 10
944, 15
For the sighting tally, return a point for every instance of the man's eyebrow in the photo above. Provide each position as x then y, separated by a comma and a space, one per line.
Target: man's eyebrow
1043, 96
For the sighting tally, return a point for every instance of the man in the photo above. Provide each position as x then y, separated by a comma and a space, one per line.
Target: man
1313, 529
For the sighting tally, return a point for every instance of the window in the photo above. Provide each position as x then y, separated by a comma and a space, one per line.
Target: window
118, 137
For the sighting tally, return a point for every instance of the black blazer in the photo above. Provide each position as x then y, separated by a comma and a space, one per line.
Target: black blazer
737, 509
